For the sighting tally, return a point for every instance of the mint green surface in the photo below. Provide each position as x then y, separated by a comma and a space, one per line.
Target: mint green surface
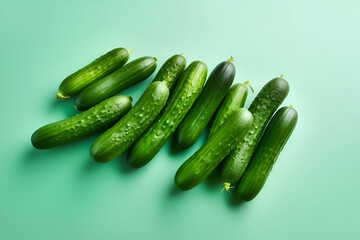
313, 191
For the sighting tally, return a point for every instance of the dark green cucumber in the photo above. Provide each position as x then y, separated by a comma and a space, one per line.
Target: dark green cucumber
205, 106
193, 171
94, 120
184, 95
263, 107
171, 70
117, 139
123, 78
234, 99
271, 144
97, 69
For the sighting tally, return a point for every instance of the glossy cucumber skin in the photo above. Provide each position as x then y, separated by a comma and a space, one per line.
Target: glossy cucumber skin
271, 144
123, 78
193, 171
234, 99
171, 70
97, 69
94, 120
123, 134
263, 107
205, 106
184, 95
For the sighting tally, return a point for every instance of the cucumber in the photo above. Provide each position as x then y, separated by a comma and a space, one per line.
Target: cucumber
185, 93
171, 70
193, 171
123, 78
234, 99
271, 144
263, 107
97, 69
94, 120
205, 106
117, 139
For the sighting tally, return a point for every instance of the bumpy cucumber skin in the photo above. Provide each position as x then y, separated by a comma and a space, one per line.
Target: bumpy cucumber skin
271, 144
233, 100
183, 97
97, 69
117, 139
193, 171
94, 120
171, 70
123, 78
263, 107
205, 106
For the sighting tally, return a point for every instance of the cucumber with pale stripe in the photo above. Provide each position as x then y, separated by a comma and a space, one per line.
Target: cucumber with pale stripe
123, 78
97, 69
234, 99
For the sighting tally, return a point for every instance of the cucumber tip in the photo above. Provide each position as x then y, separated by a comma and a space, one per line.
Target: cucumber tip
227, 187
231, 59
59, 95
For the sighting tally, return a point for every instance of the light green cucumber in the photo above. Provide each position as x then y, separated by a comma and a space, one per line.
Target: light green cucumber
97, 69
234, 99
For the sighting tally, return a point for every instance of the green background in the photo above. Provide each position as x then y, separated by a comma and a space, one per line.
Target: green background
313, 191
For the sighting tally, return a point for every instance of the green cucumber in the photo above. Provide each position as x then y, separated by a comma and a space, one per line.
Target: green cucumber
171, 70
193, 171
234, 99
184, 95
205, 106
117, 139
123, 78
94, 120
97, 69
271, 144
263, 107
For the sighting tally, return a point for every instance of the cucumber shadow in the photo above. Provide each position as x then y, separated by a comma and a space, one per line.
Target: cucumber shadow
119, 163
53, 156
122, 164
232, 199
66, 105
174, 191
213, 180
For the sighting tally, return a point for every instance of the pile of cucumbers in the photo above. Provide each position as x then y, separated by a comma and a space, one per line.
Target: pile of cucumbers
242, 144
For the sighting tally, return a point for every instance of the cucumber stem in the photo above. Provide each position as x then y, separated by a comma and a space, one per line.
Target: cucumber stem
227, 187
181, 54
155, 58
59, 95
291, 106
231, 59
282, 75
129, 51
248, 83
